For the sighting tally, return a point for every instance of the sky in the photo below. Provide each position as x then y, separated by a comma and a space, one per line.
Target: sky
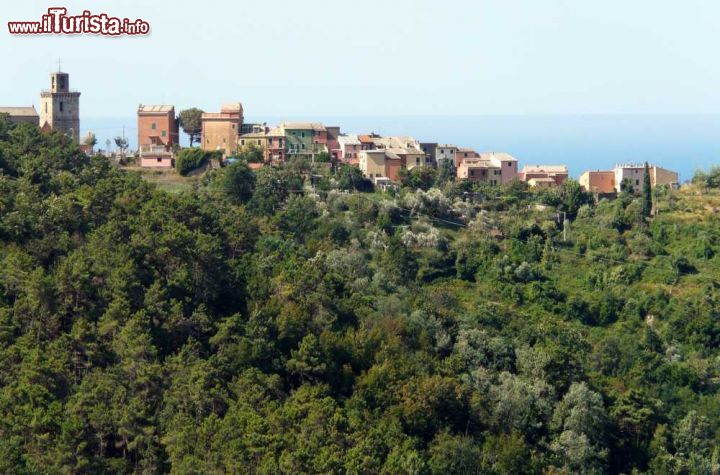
381, 57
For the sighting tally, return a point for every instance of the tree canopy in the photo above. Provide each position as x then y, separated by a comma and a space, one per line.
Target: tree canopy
252, 326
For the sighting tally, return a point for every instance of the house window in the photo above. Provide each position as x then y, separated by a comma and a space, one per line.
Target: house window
258, 141
61, 106
159, 159
637, 182
163, 133
153, 126
242, 142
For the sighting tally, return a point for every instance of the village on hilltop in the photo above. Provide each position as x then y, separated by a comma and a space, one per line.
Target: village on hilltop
380, 158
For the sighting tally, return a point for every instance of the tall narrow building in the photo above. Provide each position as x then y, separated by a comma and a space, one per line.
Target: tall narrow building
60, 107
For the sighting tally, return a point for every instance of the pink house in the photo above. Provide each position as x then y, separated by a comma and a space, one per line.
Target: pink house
506, 163
350, 147
558, 173
463, 153
333, 145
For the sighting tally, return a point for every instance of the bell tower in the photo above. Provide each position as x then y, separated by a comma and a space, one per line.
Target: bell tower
60, 107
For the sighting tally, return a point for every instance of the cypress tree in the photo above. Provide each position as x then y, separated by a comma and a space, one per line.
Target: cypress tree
647, 192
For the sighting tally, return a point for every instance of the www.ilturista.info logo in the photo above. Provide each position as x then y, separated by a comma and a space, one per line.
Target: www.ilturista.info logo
58, 22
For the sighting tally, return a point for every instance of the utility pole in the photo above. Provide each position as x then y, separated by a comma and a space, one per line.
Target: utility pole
564, 226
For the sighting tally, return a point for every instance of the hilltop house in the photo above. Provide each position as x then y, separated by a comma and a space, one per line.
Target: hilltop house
445, 152
221, 131
463, 153
430, 150
543, 175
493, 168
333, 142
598, 181
304, 138
349, 148
258, 137
632, 175
157, 135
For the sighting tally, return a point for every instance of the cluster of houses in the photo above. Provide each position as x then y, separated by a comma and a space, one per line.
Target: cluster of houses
380, 158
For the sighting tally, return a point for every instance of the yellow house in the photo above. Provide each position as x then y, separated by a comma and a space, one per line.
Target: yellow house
257, 138
220, 131
372, 163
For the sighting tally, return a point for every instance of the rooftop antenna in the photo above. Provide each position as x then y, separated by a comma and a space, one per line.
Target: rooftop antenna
59, 61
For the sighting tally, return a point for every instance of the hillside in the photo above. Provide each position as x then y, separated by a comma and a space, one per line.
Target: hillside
247, 326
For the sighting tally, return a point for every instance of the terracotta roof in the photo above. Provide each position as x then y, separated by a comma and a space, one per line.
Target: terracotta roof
368, 138
19, 111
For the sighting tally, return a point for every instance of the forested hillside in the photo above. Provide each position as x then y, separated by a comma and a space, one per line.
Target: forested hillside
250, 326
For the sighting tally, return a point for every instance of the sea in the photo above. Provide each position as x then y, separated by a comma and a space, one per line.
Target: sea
684, 143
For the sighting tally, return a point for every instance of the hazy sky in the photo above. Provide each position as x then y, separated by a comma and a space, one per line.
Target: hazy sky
381, 57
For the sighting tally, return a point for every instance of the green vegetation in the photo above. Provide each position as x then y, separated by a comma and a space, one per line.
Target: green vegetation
189, 159
710, 179
191, 122
248, 326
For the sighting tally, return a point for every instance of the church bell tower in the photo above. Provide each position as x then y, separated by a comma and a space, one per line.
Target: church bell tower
60, 107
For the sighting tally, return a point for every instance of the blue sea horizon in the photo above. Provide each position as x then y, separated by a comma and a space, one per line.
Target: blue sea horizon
684, 143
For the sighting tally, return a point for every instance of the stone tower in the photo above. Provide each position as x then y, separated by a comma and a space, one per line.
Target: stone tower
60, 107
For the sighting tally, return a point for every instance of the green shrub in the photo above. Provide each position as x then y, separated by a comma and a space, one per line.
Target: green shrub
189, 159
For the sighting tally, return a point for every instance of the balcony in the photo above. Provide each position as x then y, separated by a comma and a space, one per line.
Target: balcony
154, 150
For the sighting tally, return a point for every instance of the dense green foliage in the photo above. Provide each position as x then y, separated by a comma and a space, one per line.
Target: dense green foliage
191, 122
710, 179
274, 331
189, 159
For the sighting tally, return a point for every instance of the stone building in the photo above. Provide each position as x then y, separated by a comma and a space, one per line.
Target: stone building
221, 130
60, 107
19, 115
